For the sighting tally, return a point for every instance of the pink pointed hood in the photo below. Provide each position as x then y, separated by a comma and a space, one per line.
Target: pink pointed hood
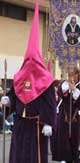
33, 78
49, 65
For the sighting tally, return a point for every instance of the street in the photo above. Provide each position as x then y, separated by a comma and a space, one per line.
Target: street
7, 147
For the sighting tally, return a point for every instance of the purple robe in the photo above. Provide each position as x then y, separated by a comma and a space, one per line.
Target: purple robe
24, 142
64, 147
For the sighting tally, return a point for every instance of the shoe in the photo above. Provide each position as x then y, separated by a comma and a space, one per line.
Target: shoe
8, 131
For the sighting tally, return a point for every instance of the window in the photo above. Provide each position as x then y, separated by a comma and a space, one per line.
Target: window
13, 11
1, 6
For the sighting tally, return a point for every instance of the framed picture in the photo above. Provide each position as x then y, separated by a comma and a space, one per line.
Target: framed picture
71, 29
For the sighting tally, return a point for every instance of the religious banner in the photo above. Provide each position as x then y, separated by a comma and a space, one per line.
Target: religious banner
64, 30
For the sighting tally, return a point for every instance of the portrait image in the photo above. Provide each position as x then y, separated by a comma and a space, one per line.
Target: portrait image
71, 29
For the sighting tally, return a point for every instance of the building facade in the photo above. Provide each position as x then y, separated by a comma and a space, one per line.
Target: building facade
15, 22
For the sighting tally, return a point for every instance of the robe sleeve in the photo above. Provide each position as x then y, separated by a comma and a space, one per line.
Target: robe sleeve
77, 103
48, 114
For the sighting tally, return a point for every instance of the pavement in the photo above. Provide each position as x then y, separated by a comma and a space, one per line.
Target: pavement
7, 148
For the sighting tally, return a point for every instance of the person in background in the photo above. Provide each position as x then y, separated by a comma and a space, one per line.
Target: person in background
1, 119
1, 111
67, 141
56, 87
8, 125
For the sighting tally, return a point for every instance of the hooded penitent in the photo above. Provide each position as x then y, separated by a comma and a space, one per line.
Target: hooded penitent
33, 78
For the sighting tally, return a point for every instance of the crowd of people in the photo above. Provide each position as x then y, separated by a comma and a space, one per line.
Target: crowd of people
65, 146
9, 120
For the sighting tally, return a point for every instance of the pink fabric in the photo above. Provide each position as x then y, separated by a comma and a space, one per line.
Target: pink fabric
33, 78
49, 65
33, 43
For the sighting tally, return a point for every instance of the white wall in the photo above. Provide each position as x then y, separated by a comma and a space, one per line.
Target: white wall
14, 35
57, 69
13, 65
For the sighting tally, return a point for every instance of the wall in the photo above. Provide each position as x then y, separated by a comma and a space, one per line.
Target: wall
14, 36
